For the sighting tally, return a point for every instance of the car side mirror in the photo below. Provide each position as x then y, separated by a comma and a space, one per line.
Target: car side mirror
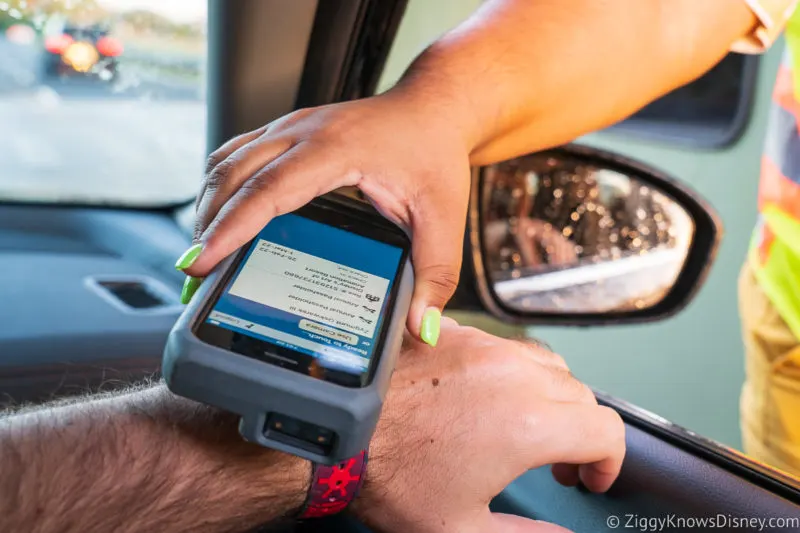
578, 236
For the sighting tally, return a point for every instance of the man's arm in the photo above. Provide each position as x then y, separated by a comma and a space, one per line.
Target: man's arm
523, 75
141, 461
150, 461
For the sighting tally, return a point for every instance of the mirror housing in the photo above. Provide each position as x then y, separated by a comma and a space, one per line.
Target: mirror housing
579, 236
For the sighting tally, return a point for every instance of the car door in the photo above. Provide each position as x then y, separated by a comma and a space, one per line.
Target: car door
97, 194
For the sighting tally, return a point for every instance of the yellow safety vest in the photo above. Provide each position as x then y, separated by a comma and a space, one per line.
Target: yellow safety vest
775, 247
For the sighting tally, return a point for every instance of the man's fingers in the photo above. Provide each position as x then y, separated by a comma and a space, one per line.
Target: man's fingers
580, 434
287, 183
507, 523
222, 182
437, 244
560, 385
449, 323
541, 352
566, 474
598, 477
592, 475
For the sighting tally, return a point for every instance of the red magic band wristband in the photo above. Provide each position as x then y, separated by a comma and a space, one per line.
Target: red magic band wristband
334, 487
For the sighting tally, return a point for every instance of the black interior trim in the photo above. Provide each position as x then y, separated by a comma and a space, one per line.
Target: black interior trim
349, 46
329, 51
256, 57
378, 31
657, 480
731, 460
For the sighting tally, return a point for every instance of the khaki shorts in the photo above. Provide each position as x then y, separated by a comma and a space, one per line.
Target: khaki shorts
770, 402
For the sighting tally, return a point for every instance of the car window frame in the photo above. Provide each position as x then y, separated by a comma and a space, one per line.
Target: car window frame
633, 127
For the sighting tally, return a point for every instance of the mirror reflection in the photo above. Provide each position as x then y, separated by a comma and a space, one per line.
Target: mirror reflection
562, 235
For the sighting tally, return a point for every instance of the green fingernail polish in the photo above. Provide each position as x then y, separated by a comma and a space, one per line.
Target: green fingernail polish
189, 256
429, 330
190, 286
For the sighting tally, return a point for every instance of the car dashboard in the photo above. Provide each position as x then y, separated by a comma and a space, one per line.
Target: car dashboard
88, 298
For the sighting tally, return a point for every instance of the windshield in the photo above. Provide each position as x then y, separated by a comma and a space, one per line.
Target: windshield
102, 101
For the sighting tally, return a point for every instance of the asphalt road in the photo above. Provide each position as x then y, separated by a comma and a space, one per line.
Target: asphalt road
137, 140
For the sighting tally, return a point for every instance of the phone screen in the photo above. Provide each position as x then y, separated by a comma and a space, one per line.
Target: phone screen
310, 297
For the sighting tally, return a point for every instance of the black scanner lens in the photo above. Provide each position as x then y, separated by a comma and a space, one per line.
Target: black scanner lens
288, 430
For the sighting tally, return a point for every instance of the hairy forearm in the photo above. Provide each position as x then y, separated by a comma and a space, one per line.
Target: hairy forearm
141, 461
523, 75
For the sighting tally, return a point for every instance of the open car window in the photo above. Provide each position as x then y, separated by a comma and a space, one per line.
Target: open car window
701, 125
102, 101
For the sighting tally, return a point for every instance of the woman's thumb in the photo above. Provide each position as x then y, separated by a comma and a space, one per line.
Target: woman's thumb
436, 255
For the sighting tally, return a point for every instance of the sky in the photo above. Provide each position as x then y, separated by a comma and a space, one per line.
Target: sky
177, 10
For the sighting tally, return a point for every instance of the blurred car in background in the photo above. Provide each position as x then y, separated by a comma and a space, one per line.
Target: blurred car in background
81, 50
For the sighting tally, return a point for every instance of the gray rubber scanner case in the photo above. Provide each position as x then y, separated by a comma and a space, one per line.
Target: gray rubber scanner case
252, 388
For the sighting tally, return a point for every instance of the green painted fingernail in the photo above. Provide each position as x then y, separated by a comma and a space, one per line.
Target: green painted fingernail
429, 330
189, 257
190, 286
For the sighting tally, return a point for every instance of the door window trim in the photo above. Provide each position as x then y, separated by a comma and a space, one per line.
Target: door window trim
693, 136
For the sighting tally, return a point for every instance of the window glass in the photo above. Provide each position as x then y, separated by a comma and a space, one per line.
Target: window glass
102, 101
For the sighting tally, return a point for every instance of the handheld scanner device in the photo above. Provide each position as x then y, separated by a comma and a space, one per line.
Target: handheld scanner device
298, 331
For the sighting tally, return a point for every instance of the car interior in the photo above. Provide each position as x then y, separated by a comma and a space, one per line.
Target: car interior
90, 292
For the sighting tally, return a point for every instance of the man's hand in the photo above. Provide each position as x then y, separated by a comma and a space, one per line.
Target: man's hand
460, 422
464, 420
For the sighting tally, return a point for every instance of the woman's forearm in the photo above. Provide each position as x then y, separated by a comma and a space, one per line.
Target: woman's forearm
523, 75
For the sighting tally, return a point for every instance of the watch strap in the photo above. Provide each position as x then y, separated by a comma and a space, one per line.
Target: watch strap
333, 487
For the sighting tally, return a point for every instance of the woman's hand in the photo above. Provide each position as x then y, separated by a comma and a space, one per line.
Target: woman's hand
411, 162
